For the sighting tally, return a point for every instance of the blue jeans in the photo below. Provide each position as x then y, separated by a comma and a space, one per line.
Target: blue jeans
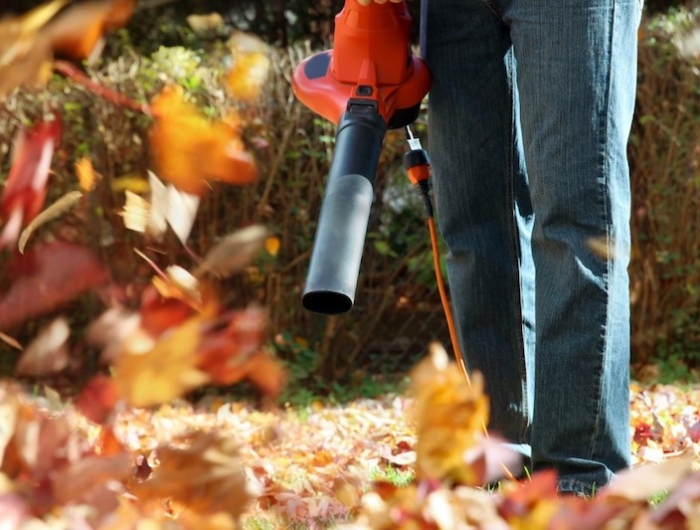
529, 117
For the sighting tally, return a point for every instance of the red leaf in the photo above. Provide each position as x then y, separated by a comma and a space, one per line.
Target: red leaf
46, 278
97, 399
25, 191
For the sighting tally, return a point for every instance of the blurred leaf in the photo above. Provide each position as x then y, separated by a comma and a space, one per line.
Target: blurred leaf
165, 372
233, 253
451, 415
208, 476
47, 353
26, 188
188, 149
97, 399
87, 179
45, 278
55, 210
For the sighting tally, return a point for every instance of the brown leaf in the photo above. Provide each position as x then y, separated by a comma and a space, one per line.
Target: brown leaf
45, 278
207, 476
233, 253
47, 353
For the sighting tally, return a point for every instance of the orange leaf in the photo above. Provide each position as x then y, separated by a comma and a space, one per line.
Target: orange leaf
77, 32
247, 76
97, 399
189, 149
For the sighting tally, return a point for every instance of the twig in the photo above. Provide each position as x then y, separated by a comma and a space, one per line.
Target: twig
69, 70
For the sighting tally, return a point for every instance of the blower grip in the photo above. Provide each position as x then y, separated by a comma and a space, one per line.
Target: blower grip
342, 225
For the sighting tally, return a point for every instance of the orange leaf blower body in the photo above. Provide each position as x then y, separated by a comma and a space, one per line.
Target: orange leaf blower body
369, 82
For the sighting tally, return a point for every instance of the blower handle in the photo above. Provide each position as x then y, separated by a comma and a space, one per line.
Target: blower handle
342, 225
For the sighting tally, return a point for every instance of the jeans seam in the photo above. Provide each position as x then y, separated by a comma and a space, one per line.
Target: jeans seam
604, 169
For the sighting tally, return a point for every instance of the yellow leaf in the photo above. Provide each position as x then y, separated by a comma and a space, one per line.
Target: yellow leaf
247, 76
86, 174
450, 414
135, 212
132, 183
272, 245
188, 149
165, 372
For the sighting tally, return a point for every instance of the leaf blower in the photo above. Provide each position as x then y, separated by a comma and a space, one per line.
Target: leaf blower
368, 83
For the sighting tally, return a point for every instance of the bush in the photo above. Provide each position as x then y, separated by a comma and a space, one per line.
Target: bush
665, 162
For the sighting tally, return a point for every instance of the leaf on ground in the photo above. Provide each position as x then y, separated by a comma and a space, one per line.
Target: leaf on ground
45, 278
165, 372
26, 188
189, 149
47, 353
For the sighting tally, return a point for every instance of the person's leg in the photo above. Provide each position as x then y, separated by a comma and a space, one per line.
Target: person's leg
576, 79
479, 185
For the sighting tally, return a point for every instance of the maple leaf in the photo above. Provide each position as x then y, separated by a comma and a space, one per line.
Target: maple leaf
97, 398
188, 149
163, 373
25, 191
45, 278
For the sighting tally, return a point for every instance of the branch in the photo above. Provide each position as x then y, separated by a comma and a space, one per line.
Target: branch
70, 71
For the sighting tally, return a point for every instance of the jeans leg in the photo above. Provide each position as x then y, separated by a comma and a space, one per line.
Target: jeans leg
576, 79
477, 182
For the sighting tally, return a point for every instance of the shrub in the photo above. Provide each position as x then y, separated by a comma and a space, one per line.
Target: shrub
665, 162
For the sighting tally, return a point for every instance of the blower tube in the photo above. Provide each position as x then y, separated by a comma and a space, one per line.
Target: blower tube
342, 224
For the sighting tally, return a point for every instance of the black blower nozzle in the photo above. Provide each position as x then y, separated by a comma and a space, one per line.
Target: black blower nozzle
342, 225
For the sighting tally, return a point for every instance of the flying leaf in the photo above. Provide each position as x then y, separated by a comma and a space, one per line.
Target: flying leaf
47, 353
25, 55
165, 372
78, 31
640, 483
272, 245
250, 67
207, 26
97, 399
87, 179
208, 476
57, 209
233, 253
25, 191
188, 149
135, 212
45, 278
451, 414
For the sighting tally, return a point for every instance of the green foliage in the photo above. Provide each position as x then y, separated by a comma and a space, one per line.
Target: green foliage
665, 162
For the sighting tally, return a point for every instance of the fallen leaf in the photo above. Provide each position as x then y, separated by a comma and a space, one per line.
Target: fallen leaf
189, 149
45, 278
640, 483
47, 353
